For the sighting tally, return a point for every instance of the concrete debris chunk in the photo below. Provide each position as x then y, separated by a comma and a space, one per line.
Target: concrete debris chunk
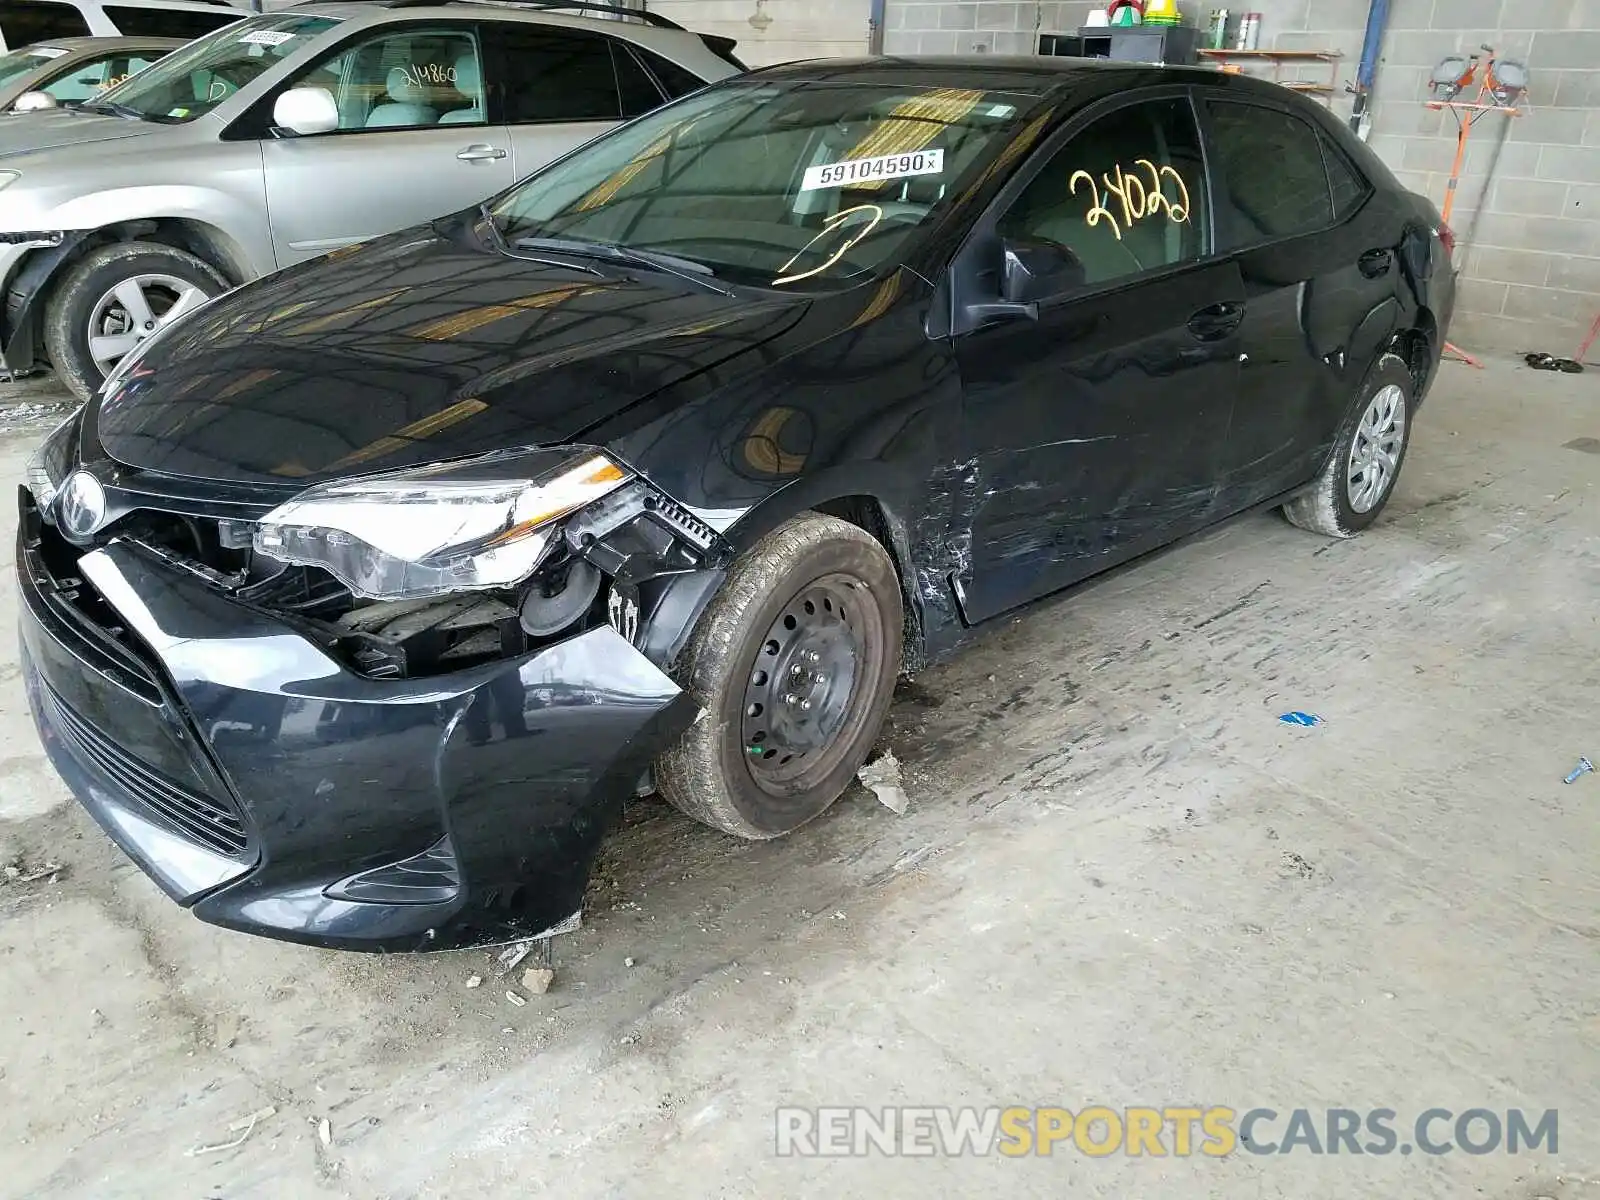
474, 981
46, 870
883, 777
515, 999
325, 1131
538, 979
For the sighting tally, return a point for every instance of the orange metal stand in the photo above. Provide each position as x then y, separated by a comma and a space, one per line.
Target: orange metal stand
1467, 115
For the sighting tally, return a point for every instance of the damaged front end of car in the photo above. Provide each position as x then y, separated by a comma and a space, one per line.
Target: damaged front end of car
398, 711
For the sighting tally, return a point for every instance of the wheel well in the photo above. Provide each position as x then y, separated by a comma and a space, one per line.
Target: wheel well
868, 513
205, 242
1416, 346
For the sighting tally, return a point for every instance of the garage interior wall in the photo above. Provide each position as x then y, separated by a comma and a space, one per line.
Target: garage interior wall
775, 31
1531, 238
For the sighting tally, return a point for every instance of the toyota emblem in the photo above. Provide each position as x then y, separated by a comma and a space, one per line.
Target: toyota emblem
81, 505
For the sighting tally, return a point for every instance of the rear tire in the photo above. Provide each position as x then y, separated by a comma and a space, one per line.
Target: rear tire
794, 663
85, 323
1368, 452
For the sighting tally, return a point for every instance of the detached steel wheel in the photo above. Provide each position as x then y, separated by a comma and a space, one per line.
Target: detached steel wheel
114, 298
1368, 452
795, 662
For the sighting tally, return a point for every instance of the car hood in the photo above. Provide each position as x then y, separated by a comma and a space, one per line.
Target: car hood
58, 128
417, 348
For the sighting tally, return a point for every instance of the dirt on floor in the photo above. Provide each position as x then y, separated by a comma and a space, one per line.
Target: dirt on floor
1121, 880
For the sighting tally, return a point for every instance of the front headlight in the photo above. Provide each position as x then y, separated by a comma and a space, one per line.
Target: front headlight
52, 463
434, 531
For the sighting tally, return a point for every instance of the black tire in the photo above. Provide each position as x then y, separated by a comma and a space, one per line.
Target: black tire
72, 303
720, 772
1326, 506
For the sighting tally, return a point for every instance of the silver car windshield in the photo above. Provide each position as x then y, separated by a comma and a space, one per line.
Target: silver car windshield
190, 82
20, 62
791, 186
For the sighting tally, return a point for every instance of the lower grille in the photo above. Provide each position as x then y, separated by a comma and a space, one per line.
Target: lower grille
211, 822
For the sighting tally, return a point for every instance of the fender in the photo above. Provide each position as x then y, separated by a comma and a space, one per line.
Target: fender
248, 250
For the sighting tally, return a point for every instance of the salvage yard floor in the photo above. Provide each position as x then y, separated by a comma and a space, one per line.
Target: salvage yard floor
1121, 880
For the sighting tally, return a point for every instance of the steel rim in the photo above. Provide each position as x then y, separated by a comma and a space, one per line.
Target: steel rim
133, 310
802, 688
1375, 454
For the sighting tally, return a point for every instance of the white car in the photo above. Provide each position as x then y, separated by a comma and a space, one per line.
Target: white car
25, 22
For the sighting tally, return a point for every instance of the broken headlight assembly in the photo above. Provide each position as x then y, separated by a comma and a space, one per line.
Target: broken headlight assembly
435, 531
435, 569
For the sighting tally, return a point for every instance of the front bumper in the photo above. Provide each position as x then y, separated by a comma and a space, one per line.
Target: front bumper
248, 773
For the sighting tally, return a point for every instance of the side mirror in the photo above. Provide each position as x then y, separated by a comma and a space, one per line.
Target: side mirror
1037, 271
1031, 272
305, 110
34, 102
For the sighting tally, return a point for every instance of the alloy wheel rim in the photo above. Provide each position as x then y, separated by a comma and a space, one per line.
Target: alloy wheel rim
1375, 453
800, 690
133, 310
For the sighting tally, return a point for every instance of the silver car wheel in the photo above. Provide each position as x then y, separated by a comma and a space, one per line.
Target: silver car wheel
1375, 453
133, 310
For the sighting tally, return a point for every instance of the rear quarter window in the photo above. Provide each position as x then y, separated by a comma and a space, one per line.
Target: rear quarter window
674, 80
1272, 169
1348, 186
23, 22
166, 22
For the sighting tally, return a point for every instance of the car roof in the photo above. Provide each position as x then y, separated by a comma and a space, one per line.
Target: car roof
83, 45
645, 27
1036, 75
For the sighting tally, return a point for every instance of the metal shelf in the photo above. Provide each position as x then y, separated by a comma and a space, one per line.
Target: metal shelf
1278, 58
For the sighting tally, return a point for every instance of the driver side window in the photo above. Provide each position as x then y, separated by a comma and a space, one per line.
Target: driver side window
1125, 196
416, 77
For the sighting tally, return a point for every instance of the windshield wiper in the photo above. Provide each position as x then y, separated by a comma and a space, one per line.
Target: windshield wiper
112, 108
683, 268
499, 241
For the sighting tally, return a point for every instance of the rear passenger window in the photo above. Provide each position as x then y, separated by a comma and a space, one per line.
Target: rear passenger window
1349, 189
639, 92
23, 22
167, 22
1271, 164
675, 80
557, 75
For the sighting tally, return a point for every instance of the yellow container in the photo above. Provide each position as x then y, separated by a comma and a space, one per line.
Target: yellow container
1161, 12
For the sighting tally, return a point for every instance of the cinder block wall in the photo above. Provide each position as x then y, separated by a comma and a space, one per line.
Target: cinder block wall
1531, 235
775, 31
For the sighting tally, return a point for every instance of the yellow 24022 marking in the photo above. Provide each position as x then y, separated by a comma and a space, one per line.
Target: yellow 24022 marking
1138, 199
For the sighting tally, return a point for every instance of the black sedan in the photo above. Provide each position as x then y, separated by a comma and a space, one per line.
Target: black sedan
362, 599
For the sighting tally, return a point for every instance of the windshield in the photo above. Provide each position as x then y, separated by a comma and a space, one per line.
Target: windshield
190, 82
793, 186
18, 63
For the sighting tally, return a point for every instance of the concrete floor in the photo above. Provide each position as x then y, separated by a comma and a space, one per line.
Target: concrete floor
1121, 881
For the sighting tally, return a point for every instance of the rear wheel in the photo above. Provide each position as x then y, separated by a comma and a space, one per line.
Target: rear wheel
1368, 453
114, 298
794, 663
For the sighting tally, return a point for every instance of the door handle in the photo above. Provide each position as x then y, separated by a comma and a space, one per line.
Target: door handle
1216, 321
481, 152
1375, 264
